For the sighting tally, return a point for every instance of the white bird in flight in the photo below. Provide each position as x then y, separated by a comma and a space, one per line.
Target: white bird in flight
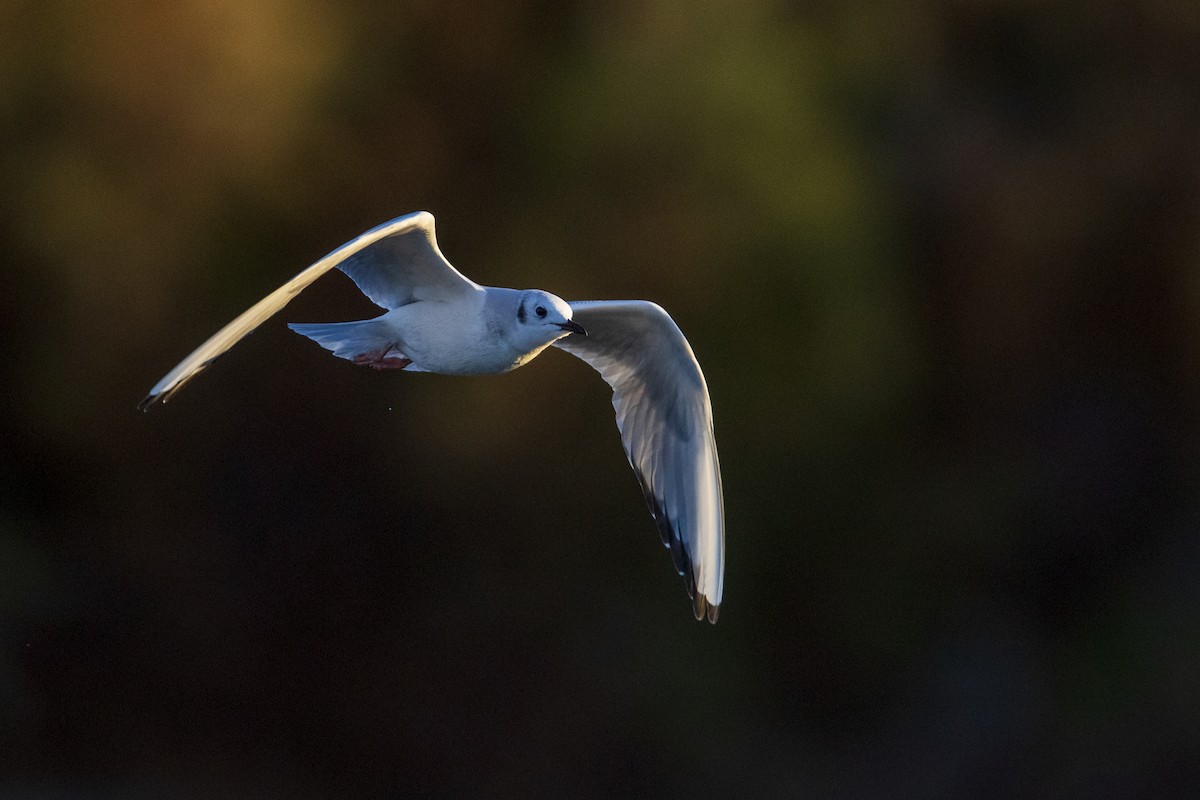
437, 320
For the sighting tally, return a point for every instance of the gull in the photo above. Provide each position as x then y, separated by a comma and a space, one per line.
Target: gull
437, 320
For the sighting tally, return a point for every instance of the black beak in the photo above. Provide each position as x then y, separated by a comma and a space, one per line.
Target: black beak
572, 326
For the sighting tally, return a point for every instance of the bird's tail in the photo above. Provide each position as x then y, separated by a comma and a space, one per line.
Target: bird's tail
370, 342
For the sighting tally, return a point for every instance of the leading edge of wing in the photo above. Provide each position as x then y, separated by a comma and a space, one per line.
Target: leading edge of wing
404, 265
247, 321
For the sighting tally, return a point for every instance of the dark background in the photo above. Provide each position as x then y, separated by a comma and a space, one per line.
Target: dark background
938, 260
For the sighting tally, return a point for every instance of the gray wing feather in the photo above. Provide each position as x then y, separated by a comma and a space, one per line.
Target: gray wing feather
402, 264
395, 263
665, 420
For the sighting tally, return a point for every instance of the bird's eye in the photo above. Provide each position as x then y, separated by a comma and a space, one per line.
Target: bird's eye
540, 311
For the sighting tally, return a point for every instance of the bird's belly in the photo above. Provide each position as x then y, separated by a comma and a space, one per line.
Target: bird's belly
453, 349
471, 359
460, 362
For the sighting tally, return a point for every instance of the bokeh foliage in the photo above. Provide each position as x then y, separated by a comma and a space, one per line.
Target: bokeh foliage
938, 259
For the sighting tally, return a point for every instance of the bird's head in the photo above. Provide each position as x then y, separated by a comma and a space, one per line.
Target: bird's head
542, 318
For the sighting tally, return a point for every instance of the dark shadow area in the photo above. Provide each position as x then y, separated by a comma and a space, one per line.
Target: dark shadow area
937, 259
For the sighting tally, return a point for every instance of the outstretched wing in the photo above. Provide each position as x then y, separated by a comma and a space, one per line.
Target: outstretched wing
665, 419
394, 264
399, 262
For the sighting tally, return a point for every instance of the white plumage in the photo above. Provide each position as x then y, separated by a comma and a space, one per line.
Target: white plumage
437, 320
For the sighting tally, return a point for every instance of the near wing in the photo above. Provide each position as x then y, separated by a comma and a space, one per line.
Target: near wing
394, 264
665, 420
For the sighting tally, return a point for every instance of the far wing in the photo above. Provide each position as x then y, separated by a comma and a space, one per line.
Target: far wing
395, 263
665, 419
400, 263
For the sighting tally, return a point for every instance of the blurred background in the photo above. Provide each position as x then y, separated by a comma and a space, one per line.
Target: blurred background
939, 262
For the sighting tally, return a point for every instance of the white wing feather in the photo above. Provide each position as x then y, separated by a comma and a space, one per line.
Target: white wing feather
665, 419
394, 264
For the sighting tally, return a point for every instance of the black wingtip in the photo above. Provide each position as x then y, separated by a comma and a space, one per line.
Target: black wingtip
155, 398
702, 609
169, 392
